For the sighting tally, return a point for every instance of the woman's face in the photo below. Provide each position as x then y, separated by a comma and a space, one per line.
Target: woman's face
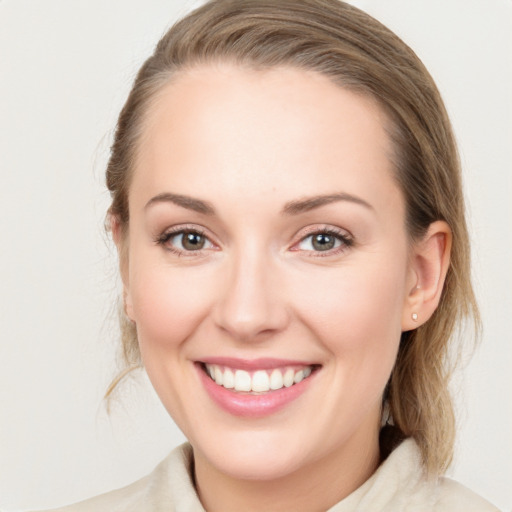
266, 245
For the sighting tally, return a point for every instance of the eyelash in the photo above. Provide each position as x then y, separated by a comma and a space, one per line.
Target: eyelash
346, 241
166, 236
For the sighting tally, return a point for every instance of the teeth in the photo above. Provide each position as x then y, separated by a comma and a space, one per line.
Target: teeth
228, 379
260, 381
276, 379
218, 376
242, 381
288, 377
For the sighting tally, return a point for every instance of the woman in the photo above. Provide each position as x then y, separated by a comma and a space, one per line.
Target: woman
287, 207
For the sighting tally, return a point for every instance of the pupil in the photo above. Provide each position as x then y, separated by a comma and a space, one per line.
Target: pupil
323, 242
193, 241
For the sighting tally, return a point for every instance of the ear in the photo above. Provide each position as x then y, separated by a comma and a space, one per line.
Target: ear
120, 237
429, 263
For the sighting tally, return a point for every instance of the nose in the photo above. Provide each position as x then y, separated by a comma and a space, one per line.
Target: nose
252, 303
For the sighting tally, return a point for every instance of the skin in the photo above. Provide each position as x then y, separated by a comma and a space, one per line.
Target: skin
249, 143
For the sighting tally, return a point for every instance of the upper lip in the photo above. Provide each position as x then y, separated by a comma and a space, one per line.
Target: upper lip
264, 363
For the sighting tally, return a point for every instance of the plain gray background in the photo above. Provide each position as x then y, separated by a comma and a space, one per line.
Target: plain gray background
66, 67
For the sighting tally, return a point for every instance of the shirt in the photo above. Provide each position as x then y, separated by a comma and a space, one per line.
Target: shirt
398, 485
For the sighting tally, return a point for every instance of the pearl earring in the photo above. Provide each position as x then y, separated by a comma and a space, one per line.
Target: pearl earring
415, 317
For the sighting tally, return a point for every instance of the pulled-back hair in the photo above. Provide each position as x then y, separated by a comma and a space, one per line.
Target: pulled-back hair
359, 54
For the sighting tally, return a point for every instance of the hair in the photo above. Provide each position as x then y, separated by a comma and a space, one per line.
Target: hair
360, 54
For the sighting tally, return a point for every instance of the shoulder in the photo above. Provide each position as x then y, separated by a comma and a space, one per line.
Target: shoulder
454, 496
169, 487
440, 495
400, 485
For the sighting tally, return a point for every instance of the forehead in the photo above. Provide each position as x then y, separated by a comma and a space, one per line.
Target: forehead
242, 131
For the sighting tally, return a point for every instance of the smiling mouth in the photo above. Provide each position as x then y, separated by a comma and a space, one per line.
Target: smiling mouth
258, 381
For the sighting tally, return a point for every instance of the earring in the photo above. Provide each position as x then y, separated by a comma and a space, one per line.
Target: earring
386, 418
415, 317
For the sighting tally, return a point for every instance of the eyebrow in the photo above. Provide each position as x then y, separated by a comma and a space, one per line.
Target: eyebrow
190, 203
291, 208
310, 203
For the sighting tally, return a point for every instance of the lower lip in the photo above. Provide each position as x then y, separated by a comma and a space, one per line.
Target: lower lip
249, 405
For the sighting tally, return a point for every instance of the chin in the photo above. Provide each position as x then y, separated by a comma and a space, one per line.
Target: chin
254, 464
257, 455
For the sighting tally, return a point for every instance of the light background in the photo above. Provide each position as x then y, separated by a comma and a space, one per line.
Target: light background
65, 69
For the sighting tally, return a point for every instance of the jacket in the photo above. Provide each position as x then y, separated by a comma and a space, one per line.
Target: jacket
398, 485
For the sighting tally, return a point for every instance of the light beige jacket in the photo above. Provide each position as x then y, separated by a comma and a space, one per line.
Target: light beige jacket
398, 485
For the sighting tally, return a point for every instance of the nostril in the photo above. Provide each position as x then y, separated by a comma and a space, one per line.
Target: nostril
250, 323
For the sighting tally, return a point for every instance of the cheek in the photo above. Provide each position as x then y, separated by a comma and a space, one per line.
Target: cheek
168, 303
356, 313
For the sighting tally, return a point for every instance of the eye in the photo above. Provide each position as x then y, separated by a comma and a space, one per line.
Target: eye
319, 242
189, 241
328, 241
185, 240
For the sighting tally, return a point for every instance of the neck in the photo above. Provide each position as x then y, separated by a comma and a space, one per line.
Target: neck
316, 487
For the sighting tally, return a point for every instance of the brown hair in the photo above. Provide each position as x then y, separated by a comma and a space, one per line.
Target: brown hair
358, 53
